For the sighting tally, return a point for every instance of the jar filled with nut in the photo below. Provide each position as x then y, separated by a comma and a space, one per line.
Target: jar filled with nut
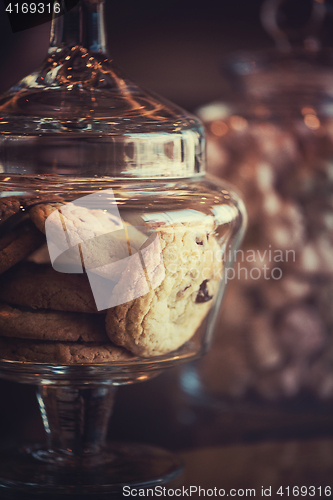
274, 141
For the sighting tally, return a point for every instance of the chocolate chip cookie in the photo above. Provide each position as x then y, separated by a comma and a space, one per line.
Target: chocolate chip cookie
167, 316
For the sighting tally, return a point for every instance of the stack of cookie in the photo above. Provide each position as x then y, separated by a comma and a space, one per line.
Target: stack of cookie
45, 316
51, 317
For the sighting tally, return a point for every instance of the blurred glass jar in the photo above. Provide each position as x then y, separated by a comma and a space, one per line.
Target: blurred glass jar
274, 141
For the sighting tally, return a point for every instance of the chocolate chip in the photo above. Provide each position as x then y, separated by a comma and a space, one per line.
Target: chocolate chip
180, 294
203, 295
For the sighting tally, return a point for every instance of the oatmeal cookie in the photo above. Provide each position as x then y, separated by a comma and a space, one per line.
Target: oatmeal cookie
81, 223
8, 207
167, 316
41, 287
40, 212
11, 205
92, 239
40, 256
18, 244
61, 353
24, 323
100, 235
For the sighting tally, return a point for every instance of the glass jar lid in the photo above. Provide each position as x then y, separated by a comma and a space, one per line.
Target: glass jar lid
297, 74
78, 96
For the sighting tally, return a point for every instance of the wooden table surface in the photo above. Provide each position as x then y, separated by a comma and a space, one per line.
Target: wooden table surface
241, 446
307, 463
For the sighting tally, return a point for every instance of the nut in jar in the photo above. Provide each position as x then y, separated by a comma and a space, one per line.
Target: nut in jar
278, 152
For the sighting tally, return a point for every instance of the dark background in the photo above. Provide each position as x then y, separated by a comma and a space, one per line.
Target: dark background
173, 47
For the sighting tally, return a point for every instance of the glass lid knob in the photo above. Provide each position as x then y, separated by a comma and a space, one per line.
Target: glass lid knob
293, 21
78, 92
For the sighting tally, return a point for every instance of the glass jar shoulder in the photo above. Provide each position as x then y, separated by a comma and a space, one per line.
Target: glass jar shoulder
202, 194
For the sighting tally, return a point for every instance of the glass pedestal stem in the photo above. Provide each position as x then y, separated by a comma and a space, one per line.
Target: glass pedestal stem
76, 459
75, 419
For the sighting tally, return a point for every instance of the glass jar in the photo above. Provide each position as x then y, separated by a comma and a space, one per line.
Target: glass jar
112, 246
274, 142
80, 140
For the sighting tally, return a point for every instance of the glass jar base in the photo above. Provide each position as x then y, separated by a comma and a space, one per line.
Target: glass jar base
131, 465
